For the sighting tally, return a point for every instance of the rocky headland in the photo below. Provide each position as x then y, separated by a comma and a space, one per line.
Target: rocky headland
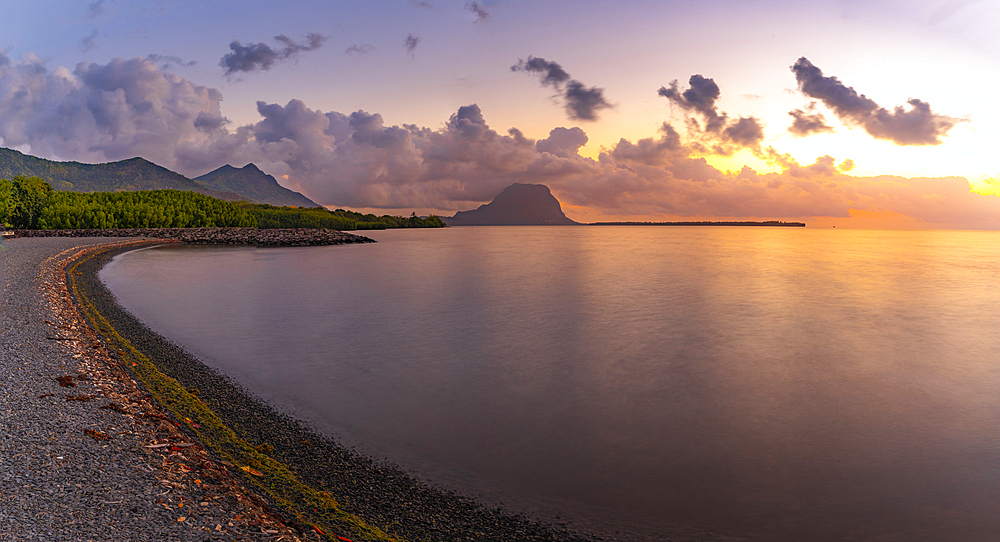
518, 205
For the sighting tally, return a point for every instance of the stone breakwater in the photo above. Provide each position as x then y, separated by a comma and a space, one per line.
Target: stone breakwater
290, 237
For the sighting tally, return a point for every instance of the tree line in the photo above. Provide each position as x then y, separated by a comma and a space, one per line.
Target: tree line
31, 203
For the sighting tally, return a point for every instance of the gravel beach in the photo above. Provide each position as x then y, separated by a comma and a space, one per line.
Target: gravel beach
74, 461
88, 455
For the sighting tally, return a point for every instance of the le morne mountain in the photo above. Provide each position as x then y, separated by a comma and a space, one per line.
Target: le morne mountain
518, 205
227, 183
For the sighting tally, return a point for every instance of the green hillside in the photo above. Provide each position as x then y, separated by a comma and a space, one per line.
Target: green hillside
254, 185
126, 175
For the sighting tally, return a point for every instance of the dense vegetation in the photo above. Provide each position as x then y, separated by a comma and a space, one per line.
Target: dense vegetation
22, 200
269, 216
372, 222
30, 203
144, 209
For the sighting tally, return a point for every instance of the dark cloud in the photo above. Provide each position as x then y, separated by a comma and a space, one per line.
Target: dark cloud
89, 43
361, 49
719, 133
168, 60
481, 13
700, 97
207, 122
421, 4
581, 103
411, 43
95, 9
745, 132
806, 123
917, 125
552, 73
248, 58
260, 56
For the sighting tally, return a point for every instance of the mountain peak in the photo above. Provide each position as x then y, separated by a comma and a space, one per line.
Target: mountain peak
517, 205
254, 185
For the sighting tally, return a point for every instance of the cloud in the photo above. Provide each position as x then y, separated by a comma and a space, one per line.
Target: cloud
951, 8
260, 56
700, 96
169, 60
89, 43
361, 49
719, 134
105, 112
808, 123
745, 132
481, 13
914, 126
207, 122
357, 160
552, 73
581, 103
131, 107
421, 4
95, 9
564, 142
411, 44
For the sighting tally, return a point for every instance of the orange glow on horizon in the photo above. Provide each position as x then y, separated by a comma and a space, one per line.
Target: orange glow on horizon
858, 219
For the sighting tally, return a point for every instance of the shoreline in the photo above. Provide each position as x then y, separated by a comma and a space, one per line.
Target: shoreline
86, 454
285, 237
287, 454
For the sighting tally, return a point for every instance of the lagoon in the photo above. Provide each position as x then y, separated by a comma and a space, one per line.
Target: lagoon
766, 383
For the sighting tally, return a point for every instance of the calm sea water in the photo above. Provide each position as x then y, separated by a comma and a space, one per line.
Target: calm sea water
768, 383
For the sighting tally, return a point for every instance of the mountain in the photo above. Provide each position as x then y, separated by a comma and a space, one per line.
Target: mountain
518, 205
254, 185
226, 183
125, 175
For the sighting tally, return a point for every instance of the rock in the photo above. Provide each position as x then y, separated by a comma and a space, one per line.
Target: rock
518, 205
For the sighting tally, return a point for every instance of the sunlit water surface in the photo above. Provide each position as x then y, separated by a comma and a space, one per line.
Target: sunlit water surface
769, 383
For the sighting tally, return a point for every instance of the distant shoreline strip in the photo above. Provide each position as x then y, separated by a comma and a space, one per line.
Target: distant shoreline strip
705, 223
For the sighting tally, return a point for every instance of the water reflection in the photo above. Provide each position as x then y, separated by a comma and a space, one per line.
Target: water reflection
777, 384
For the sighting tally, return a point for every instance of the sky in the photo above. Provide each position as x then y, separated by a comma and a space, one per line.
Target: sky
848, 113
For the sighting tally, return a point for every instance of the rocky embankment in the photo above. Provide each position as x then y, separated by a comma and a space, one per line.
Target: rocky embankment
292, 237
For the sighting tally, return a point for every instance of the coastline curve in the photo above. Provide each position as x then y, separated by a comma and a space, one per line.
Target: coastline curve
317, 484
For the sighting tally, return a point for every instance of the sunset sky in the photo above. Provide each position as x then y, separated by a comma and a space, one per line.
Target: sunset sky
863, 113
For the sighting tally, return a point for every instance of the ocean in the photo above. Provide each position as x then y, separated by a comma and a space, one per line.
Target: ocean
770, 384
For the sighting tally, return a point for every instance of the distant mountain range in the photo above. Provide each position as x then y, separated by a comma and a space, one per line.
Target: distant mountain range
248, 183
518, 205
